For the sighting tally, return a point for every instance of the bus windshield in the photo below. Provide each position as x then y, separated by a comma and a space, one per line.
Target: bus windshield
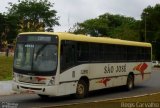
41, 58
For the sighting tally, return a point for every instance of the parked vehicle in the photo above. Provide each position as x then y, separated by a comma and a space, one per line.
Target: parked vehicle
155, 63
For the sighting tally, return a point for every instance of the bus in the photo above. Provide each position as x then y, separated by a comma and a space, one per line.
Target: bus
57, 64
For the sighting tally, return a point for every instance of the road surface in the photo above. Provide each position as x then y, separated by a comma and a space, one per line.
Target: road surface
32, 100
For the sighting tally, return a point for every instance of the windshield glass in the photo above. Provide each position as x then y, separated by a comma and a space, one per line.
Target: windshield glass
35, 57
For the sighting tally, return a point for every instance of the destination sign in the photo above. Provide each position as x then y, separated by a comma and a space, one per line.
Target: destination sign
37, 38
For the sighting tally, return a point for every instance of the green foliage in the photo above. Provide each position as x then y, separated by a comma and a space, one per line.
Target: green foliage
8, 29
115, 26
34, 15
26, 15
2, 29
2, 23
127, 30
12, 28
150, 17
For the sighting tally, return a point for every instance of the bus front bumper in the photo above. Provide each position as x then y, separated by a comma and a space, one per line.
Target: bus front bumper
28, 88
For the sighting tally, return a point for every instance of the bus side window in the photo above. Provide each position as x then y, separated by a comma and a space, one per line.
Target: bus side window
82, 52
67, 55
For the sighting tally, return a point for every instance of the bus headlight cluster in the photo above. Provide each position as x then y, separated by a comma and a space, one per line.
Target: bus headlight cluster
51, 82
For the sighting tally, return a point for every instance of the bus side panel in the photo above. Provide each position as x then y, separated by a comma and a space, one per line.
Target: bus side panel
102, 75
106, 75
143, 72
67, 88
68, 79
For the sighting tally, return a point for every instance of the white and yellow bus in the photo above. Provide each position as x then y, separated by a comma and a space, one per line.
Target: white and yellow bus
56, 64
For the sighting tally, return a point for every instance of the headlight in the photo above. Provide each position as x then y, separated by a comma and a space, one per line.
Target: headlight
51, 82
14, 76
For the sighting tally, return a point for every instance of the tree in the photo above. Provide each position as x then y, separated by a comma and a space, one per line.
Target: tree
150, 20
115, 26
33, 15
94, 27
8, 30
127, 30
2, 24
2, 29
12, 27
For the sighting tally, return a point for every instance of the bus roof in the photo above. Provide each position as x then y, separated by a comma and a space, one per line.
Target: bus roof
84, 38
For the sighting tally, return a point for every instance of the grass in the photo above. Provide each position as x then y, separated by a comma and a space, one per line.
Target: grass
136, 102
6, 68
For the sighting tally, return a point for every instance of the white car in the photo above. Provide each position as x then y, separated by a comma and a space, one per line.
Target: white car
155, 63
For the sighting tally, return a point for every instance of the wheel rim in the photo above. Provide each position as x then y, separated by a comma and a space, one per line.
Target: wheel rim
80, 89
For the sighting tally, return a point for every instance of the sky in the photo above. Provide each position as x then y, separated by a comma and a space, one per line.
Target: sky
73, 11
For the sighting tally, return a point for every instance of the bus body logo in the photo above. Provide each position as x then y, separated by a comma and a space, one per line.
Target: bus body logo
104, 81
40, 78
141, 68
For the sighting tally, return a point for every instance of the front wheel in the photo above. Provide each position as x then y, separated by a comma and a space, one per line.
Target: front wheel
82, 89
130, 83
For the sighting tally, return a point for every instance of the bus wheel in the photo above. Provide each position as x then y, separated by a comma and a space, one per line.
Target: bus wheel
43, 96
82, 89
130, 83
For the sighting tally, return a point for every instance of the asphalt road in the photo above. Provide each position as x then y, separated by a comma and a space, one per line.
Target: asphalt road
32, 100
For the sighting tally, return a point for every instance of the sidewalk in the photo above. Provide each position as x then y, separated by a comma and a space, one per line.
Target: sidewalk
6, 88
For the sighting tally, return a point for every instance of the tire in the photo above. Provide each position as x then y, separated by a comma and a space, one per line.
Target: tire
130, 83
43, 96
82, 89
